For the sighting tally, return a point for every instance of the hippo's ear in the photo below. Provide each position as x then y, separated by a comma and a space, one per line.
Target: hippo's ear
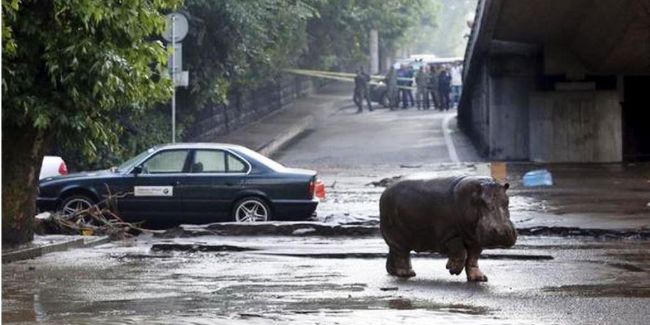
506, 186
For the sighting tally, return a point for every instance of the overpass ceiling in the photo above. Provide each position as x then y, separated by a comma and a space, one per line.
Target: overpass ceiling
608, 36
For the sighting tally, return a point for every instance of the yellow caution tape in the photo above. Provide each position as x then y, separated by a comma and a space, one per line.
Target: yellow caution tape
343, 76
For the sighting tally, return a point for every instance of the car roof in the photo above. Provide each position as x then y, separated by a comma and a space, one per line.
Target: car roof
198, 145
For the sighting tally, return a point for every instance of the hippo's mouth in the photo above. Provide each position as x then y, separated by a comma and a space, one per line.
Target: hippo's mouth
503, 241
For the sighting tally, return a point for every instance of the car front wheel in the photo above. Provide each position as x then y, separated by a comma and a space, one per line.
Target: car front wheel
73, 205
251, 209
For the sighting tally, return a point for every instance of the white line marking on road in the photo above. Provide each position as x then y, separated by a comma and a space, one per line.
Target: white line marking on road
453, 156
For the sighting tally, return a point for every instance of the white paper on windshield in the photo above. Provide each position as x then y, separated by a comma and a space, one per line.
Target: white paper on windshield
153, 191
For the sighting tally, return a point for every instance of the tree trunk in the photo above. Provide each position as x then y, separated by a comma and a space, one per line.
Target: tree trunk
23, 148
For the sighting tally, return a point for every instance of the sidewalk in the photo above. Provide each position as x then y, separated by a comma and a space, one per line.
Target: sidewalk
274, 131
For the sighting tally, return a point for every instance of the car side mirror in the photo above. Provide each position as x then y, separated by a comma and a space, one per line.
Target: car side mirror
136, 170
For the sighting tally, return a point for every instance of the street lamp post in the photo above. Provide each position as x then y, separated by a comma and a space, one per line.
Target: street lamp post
175, 32
173, 74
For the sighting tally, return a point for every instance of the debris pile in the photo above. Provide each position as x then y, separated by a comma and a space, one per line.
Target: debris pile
385, 182
99, 219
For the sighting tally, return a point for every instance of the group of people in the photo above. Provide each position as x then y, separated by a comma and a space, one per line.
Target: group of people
436, 86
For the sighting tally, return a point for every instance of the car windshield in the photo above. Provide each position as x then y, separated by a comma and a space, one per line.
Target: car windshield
131, 162
261, 158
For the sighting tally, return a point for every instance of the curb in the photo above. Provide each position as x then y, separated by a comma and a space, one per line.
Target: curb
270, 148
33, 252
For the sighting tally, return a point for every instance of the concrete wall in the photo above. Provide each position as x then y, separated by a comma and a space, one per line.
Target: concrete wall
248, 105
575, 126
496, 113
512, 79
474, 117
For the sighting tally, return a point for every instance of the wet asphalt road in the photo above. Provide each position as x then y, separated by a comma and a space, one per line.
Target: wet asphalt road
541, 280
339, 280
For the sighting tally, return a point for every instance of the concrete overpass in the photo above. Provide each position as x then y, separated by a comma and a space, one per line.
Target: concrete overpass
559, 80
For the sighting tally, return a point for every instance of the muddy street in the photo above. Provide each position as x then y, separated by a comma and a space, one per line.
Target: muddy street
302, 280
332, 270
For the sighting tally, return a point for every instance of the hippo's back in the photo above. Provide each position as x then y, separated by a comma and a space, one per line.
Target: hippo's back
417, 191
414, 212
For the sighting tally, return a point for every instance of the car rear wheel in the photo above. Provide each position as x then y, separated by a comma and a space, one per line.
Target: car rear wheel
73, 205
251, 209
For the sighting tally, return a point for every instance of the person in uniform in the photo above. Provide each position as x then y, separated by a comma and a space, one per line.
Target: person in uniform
408, 94
444, 89
361, 89
391, 88
433, 87
421, 93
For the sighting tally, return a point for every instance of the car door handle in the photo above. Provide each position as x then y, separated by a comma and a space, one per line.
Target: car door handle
230, 184
177, 183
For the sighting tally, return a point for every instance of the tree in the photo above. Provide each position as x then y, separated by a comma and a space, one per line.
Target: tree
233, 44
447, 39
338, 36
67, 68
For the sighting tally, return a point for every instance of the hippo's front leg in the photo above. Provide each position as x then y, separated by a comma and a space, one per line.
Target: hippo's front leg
471, 266
457, 255
399, 263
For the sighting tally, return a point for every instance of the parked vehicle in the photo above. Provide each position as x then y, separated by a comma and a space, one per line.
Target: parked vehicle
191, 183
378, 94
52, 166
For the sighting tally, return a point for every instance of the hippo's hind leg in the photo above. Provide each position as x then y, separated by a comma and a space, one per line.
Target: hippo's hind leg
399, 263
474, 274
457, 256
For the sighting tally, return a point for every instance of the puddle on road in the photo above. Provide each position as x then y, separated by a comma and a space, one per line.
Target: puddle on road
602, 290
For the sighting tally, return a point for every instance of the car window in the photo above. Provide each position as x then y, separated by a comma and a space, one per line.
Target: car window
235, 165
166, 162
217, 161
262, 159
209, 161
129, 163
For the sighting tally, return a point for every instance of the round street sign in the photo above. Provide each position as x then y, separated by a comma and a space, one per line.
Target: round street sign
180, 27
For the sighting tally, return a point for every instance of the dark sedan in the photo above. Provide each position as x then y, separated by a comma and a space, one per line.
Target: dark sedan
191, 183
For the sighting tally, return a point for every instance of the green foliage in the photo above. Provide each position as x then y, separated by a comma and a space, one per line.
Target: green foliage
70, 67
338, 38
446, 37
417, 38
246, 43
88, 72
238, 44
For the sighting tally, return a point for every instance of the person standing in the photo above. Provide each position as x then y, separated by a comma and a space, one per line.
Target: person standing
421, 94
410, 74
361, 91
456, 83
433, 87
402, 83
391, 88
444, 88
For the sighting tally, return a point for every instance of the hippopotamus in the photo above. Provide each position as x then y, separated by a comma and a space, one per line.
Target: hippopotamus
454, 216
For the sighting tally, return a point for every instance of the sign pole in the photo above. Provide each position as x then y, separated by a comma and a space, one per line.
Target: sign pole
173, 73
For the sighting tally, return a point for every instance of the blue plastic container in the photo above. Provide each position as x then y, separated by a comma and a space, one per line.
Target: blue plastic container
540, 177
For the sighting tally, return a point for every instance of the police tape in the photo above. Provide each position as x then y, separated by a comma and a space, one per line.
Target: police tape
344, 76
329, 73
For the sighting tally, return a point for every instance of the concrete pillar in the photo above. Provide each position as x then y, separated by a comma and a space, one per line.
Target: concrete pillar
374, 51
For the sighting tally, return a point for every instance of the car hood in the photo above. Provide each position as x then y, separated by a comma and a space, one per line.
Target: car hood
80, 175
